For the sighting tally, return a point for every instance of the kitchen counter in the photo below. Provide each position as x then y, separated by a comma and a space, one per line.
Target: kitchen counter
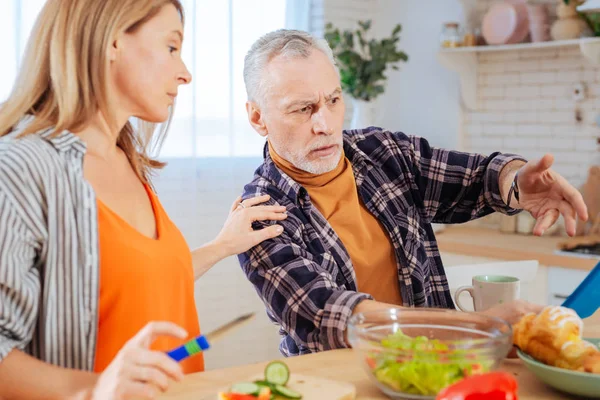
484, 242
342, 365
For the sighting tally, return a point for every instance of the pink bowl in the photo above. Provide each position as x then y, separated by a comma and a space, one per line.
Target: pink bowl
522, 30
499, 23
506, 23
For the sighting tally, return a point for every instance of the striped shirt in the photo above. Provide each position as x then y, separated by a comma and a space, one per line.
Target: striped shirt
305, 276
49, 259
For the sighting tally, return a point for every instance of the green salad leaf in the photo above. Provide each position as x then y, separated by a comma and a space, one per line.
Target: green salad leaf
418, 365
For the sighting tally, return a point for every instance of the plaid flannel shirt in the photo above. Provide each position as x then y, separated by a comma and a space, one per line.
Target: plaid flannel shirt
305, 276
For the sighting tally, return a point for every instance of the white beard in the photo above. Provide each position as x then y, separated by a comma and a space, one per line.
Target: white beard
315, 167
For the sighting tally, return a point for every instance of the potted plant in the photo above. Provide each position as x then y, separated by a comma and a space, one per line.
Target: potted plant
362, 63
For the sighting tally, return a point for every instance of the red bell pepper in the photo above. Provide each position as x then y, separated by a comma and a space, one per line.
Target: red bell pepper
490, 386
236, 396
265, 394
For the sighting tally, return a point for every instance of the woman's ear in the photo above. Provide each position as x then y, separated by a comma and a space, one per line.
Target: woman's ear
114, 48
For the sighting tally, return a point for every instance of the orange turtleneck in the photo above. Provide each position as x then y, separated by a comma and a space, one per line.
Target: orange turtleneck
335, 195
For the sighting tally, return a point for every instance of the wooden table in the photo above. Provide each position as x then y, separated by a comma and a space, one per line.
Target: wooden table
490, 243
343, 365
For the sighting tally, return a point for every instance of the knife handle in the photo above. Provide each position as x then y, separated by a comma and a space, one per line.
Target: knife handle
194, 346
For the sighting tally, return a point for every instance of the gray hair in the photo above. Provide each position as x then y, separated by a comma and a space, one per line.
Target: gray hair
283, 42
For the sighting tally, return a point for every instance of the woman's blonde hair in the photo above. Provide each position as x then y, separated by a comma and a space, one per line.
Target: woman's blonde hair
63, 77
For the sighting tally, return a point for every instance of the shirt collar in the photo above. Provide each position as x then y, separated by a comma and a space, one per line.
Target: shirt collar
62, 141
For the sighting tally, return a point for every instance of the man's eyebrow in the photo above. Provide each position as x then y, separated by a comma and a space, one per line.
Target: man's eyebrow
308, 102
297, 103
336, 92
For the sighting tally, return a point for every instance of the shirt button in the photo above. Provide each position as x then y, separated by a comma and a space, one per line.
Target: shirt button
339, 280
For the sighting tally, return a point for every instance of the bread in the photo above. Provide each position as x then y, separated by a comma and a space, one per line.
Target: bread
554, 338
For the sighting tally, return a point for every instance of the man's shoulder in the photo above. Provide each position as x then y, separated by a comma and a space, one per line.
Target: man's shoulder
376, 142
260, 184
268, 181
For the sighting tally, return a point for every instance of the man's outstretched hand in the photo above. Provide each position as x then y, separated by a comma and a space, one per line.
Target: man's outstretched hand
546, 195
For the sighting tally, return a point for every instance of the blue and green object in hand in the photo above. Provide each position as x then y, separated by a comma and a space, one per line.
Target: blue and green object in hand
194, 346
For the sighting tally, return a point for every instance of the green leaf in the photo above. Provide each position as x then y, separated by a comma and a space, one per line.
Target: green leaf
365, 25
361, 40
364, 77
348, 39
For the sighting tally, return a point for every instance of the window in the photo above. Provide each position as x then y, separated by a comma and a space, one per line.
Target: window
210, 118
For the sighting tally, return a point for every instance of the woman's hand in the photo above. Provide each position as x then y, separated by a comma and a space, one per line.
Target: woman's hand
238, 236
136, 371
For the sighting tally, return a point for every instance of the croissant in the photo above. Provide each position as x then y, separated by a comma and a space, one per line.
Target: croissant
554, 338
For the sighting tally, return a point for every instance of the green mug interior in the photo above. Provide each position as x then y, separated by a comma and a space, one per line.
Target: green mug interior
495, 279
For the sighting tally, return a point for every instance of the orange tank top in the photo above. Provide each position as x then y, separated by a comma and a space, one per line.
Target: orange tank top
143, 280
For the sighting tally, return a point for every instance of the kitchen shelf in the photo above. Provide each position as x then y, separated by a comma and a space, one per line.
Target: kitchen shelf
464, 60
590, 6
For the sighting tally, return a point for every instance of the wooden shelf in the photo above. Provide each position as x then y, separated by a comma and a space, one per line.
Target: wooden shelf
464, 60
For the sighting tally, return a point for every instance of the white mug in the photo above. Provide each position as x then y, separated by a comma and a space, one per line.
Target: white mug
490, 290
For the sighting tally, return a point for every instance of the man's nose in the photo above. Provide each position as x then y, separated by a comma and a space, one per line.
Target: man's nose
321, 122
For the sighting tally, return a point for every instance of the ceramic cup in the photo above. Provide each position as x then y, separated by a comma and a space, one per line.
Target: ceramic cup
490, 290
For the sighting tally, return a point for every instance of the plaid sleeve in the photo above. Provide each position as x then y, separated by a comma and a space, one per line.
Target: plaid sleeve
454, 186
300, 292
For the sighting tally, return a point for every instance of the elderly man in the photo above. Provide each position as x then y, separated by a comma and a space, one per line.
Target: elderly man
360, 203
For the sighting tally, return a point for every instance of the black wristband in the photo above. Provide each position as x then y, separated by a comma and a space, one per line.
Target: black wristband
514, 189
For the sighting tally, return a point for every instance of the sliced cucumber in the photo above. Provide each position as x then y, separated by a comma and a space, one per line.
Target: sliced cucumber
277, 373
265, 384
286, 392
245, 388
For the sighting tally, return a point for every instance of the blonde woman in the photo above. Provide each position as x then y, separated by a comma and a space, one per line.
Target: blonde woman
96, 282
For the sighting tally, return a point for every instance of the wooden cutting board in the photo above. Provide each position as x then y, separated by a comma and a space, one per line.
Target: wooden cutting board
311, 388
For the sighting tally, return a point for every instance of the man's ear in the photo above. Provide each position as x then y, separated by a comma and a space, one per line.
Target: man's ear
255, 118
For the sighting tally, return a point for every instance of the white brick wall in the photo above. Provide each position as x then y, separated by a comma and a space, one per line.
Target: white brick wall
525, 106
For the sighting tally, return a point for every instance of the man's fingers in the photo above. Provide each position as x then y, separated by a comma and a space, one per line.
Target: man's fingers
570, 217
574, 197
545, 222
534, 308
544, 163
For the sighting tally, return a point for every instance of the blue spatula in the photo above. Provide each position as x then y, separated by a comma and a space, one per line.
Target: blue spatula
585, 300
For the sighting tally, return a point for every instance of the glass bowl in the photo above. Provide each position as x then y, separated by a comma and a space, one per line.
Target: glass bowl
415, 353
